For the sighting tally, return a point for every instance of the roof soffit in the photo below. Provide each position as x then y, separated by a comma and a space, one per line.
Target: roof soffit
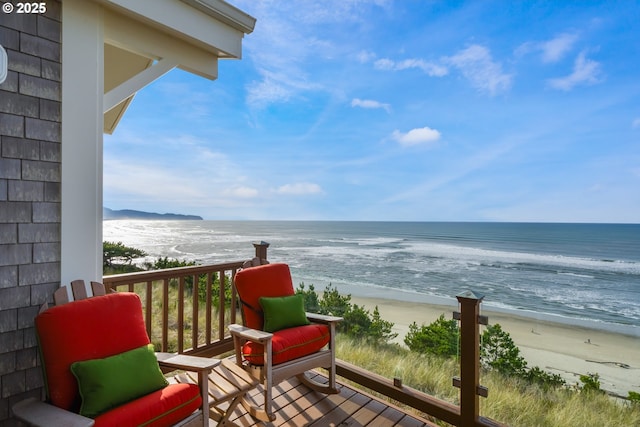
127, 34
120, 66
212, 25
145, 39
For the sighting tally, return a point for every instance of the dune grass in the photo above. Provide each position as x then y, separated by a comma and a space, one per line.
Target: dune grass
511, 401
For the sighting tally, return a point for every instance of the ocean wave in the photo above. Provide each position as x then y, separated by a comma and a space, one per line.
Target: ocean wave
567, 273
415, 266
491, 257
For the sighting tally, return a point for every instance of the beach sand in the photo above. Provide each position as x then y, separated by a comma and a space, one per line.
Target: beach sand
562, 349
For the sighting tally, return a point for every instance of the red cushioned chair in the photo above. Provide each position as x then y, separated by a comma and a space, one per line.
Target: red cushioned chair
278, 340
86, 341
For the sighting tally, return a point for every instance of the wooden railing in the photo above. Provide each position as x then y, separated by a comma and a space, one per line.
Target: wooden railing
200, 322
176, 316
468, 413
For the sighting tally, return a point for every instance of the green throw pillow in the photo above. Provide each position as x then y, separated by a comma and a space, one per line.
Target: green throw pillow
283, 312
112, 381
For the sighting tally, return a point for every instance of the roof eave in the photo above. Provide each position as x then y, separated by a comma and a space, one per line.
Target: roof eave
226, 13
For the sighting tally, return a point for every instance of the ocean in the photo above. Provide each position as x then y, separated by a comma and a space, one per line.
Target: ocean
583, 274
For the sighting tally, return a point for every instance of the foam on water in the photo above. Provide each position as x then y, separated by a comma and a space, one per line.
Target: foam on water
580, 272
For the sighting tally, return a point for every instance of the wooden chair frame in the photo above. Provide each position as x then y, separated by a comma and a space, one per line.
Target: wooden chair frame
269, 374
37, 413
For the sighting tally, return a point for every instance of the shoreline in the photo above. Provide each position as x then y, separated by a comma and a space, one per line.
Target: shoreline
560, 348
389, 294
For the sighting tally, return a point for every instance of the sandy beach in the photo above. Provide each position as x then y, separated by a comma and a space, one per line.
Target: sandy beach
567, 350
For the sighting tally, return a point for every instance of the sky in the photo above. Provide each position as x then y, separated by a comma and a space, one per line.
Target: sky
399, 110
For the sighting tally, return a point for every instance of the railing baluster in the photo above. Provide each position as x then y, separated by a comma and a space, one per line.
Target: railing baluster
221, 329
165, 314
181, 315
234, 296
156, 286
149, 307
208, 308
195, 322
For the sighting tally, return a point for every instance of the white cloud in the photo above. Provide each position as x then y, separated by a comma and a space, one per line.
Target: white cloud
266, 91
371, 104
299, 189
418, 136
585, 71
553, 50
288, 37
241, 192
636, 123
134, 180
365, 56
476, 65
429, 68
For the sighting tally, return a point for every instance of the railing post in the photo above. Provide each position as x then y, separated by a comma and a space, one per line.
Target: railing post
470, 388
261, 249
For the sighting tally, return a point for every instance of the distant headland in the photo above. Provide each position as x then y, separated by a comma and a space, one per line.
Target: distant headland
131, 214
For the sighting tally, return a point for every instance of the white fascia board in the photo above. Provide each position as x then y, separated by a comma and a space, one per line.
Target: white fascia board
223, 11
125, 33
181, 20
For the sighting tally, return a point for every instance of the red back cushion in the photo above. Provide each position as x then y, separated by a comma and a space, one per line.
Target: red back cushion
92, 328
270, 280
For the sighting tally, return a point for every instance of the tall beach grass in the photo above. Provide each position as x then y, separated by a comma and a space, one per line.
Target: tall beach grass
511, 401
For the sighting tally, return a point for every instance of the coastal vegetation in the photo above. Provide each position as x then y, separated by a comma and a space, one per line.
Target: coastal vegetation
118, 258
512, 400
519, 395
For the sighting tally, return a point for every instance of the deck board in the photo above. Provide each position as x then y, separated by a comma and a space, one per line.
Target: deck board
295, 405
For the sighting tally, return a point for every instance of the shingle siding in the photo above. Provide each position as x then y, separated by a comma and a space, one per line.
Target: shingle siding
30, 174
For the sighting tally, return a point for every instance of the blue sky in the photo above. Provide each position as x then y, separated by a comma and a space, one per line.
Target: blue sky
397, 110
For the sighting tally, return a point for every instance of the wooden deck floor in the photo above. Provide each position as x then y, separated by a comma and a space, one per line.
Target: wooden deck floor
295, 405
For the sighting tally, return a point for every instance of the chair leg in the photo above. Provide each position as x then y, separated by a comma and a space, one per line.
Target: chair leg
224, 421
203, 382
266, 378
329, 388
257, 413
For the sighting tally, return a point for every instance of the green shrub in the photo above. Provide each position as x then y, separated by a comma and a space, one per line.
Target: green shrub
357, 321
334, 304
499, 352
543, 378
440, 337
311, 302
118, 253
590, 383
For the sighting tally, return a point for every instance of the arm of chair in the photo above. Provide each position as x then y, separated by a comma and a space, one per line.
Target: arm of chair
241, 334
254, 335
186, 363
321, 318
201, 365
38, 413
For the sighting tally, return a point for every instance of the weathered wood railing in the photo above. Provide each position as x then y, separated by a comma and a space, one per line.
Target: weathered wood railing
172, 303
468, 413
173, 286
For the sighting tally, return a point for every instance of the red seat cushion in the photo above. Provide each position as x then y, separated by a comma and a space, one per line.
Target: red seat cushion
270, 280
161, 408
289, 344
92, 328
